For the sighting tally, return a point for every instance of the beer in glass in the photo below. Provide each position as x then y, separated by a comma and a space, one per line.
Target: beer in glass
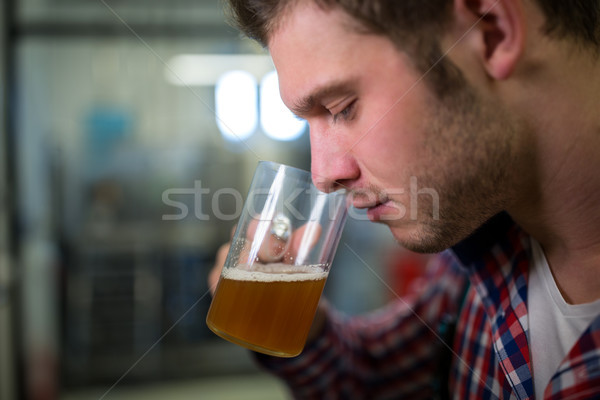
278, 262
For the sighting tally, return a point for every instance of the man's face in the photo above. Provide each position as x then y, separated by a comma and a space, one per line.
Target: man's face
429, 170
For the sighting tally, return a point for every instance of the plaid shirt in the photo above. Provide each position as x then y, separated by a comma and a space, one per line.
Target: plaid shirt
399, 352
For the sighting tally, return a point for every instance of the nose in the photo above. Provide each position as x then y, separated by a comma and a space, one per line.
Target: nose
333, 164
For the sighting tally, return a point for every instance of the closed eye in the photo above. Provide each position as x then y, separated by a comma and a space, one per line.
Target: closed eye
347, 113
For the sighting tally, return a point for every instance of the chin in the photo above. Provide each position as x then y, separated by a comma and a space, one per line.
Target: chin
428, 237
415, 239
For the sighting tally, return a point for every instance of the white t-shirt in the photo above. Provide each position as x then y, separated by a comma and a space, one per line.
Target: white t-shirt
554, 325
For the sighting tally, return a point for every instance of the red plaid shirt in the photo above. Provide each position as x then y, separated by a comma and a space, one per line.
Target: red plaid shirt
399, 352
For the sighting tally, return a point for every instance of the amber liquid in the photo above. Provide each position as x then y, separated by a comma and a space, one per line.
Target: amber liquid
268, 313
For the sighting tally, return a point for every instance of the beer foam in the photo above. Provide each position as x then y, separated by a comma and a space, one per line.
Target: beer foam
275, 273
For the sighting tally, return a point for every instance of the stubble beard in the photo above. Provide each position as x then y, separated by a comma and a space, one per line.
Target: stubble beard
470, 153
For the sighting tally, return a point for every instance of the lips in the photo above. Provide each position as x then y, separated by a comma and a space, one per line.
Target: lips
365, 204
376, 205
381, 211
367, 200
386, 206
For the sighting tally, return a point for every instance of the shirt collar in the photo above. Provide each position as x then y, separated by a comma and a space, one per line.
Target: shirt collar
478, 244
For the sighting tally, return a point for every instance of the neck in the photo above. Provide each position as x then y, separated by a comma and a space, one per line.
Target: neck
558, 205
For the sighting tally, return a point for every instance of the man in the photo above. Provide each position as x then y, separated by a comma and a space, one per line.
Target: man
493, 105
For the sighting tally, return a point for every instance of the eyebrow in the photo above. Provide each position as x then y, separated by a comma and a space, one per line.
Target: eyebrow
307, 103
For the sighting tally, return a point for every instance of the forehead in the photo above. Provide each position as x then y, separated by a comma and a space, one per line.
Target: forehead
314, 47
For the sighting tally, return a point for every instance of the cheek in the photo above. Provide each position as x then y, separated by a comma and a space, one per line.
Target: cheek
392, 143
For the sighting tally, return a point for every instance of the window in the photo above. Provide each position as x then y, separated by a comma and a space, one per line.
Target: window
236, 105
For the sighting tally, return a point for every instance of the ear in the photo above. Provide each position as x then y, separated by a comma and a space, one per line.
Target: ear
501, 30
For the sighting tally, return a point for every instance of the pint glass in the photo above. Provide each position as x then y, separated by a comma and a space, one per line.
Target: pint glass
278, 262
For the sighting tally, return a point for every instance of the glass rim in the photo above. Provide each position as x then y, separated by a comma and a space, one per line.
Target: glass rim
298, 173
275, 166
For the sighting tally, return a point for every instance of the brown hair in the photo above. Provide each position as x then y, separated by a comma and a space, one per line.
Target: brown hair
414, 26
402, 19
575, 19
393, 18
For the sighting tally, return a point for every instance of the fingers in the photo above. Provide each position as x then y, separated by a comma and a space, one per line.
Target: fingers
274, 240
278, 245
303, 240
293, 249
272, 249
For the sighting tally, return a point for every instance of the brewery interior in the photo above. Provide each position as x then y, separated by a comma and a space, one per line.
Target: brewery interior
127, 125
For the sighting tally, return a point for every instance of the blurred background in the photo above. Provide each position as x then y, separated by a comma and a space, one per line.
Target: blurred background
125, 125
